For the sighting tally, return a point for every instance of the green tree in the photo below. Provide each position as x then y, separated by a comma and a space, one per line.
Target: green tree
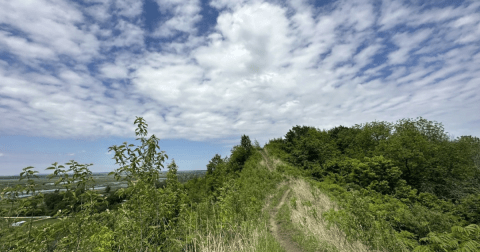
213, 164
152, 162
409, 149
240, 154
246, 144
313, 148
369, 137
30, 205
296, 132
256, 145
344, 138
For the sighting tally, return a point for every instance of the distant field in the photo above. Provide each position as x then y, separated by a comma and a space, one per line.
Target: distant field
102, 180
44, 183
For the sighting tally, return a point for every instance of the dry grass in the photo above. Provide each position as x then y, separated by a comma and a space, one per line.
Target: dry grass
274, 161
248, 239
310, 204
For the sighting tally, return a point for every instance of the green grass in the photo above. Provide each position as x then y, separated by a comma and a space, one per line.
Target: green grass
278, 196
44, 222
7, 206
24, 227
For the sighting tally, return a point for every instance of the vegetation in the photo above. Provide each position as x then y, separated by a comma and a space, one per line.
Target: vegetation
378, 186
406, 182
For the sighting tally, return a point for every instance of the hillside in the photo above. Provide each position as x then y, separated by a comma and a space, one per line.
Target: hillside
372, 187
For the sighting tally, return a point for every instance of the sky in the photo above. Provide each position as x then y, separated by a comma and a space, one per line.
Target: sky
74, 75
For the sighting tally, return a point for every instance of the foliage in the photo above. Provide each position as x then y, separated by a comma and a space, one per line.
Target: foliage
312, 147
240, 154
401, 186
212, 164
469, 208
399, 183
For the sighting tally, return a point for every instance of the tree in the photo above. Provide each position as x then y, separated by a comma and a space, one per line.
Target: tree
344, 138
296, 132
256, 144
409, 149
370, 136
240, 154
213, 163
314, 147
246, 144
149, 171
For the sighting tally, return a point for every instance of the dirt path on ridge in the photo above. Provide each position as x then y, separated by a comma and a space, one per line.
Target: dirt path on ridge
270, 168
283, 238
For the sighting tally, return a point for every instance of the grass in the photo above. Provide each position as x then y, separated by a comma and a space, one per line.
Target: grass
250, 237
300, 218
307, 218
278, 196
35, 223
7, 205
306, 241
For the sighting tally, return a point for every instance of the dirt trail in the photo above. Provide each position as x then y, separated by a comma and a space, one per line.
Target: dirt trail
265, 160
283, 238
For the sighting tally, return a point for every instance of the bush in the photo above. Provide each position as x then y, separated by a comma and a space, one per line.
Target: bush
469, 208
52, 200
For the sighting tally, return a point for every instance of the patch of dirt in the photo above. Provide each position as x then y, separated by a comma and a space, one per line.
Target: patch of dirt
284, 240
311, 204
265, 160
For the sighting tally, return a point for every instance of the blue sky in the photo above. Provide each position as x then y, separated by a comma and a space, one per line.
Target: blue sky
75, 74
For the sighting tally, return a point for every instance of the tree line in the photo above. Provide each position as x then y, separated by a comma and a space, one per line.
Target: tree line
397, 183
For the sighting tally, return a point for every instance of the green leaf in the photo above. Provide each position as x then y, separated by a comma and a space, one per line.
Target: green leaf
470, 246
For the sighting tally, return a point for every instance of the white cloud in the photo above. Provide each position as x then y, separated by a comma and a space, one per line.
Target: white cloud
252, 40
221, 4
99, 11
49, 26
264, 68
166, 84
130, 35
24, 48
365, 56
393, 13
129, 8
466, 20
186, 15
407, 42
113, 71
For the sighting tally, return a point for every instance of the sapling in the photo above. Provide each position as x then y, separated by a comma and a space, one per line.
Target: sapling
31, 187
141, 178
12, 195
143, 169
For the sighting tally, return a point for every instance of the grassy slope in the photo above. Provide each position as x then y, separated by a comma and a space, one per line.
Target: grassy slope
301, 218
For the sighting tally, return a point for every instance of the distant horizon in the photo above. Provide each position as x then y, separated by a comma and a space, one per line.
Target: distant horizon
75, 75
93, 173
42, 174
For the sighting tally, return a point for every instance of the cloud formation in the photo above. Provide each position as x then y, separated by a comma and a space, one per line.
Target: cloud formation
85, 69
